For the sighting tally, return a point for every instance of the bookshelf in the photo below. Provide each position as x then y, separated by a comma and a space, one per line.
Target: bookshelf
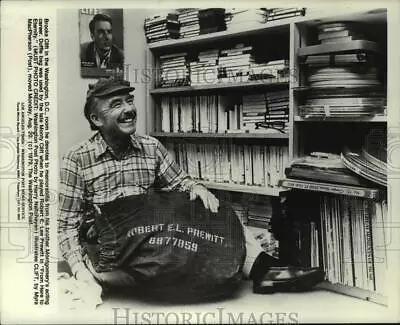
294, 39
344, 213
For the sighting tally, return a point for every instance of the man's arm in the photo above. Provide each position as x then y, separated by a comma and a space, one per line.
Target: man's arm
71, 212
172, 177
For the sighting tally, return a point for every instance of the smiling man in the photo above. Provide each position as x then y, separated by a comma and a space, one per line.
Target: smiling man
101, 52
117, 163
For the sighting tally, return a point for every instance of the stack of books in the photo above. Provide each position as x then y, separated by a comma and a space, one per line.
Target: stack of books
266, 112
234, 64
343, 85
174, 71
370, 161
205, 70
160, 28
254, 110
283, 13
189, 22
212, 20
277, 115
277, 70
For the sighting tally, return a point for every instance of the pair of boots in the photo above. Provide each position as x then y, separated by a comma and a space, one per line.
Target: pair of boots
269, 276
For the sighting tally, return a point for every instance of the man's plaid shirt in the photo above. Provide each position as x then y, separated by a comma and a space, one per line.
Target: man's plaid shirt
91, 173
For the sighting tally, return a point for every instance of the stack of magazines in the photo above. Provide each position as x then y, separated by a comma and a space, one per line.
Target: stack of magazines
189, 21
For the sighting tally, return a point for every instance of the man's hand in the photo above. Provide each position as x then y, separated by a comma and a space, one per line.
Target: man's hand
209, 199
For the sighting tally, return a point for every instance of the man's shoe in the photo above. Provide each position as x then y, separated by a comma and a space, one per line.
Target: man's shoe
288, 279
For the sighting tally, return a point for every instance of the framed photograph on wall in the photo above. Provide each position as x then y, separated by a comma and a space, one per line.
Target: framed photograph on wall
101, 42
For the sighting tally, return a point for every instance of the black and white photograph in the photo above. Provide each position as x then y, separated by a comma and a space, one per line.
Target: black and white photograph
202, 164
101, 41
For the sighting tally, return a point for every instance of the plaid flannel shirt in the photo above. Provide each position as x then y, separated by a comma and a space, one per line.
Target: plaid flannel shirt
91, 173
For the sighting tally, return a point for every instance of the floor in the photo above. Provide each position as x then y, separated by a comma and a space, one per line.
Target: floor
245, 308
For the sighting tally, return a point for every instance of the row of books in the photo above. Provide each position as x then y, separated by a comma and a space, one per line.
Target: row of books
263, 112
353, 238
226, 162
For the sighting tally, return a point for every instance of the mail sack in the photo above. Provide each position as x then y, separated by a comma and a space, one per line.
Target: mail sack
174, 248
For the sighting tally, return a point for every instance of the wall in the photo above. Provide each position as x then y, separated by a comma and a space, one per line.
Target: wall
72, 125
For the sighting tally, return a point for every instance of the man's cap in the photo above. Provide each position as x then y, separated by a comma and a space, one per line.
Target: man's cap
108, 86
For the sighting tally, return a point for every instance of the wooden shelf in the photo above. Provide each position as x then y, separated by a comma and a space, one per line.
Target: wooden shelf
261, 135
354, 292
266, 83
357, 45
244, 188
369, 119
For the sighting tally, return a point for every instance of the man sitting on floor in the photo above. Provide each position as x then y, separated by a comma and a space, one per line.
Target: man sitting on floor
115, 163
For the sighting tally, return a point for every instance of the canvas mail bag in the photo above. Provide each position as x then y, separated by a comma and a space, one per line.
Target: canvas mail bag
174, 248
